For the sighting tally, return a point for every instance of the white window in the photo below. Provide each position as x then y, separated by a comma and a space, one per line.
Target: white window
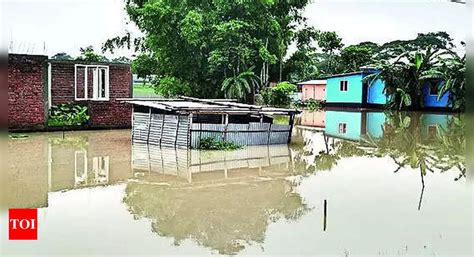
80, 168
343, 85
91, 82
100, 167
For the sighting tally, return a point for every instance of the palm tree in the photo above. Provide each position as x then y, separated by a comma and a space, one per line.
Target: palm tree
239, 86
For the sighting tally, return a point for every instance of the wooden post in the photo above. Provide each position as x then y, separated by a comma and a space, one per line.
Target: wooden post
190, 138
162, 128
325, 214
292, 119
226, 123
176, 135
149, 126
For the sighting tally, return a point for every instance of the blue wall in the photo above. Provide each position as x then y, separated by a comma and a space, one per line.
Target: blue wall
352, 120
353, 93
375, 123
375, 94
432, 100
433, 119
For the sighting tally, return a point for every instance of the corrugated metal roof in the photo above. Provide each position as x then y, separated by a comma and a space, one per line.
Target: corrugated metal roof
313, 82
196, 105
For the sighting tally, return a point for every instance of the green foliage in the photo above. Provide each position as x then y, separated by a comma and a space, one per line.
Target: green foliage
68, 115
204, 43
452, 71
144, 66
122, 59
241, 85
210, 143
61, 56
405, 76
281, 119
355, 56
17, 136
278, 95
88, 54
307, 62
330, 42
309, 104
171, 87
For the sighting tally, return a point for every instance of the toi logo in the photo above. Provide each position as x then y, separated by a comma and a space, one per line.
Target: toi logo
23, 224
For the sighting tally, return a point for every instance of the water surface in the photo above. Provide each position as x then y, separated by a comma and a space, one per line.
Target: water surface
394, 184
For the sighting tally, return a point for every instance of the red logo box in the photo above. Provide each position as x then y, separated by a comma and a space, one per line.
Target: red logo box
22, 224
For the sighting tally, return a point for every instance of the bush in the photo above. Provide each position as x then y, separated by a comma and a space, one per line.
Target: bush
210, 143
278, 95
68, 115
309, 104
171, 87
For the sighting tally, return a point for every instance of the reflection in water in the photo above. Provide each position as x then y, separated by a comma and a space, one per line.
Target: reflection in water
401, 175
428, 142
222, 200
423, 141
49, 162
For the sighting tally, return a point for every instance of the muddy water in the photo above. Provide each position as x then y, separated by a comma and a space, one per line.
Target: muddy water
350, 184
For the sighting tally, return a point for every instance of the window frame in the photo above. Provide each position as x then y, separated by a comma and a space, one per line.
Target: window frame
96, 82
343, 129
432, 129
343, 85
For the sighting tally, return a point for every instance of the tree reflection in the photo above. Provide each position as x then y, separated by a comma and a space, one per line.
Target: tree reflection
410, 140
224, 217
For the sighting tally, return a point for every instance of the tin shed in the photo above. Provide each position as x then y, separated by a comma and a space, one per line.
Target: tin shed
183, 122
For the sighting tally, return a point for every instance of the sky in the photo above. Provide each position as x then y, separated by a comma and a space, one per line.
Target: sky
52, 26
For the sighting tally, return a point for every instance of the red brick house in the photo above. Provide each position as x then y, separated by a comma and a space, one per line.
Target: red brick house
36, 83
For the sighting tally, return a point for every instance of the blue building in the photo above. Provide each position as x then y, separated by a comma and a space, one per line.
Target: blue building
430, 95
353, 125
350, 90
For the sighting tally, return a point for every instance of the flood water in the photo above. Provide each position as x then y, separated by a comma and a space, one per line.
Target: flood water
349, 184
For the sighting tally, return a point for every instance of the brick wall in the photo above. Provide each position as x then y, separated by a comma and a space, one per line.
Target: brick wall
26, 91
106, 114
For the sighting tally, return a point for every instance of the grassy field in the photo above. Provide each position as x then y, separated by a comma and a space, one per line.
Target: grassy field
140, 90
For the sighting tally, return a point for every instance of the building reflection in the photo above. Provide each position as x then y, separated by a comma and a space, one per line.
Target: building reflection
223, 200
49, 162
194, 165
425, 141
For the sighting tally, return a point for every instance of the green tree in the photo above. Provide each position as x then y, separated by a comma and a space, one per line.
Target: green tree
303, 63
122, 59
355, 56
144, 66
434, 40
205, 42
88, 54
278, 95
329, 42
62, 56
171, 87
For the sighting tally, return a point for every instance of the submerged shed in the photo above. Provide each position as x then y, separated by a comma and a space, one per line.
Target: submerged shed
185, 121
